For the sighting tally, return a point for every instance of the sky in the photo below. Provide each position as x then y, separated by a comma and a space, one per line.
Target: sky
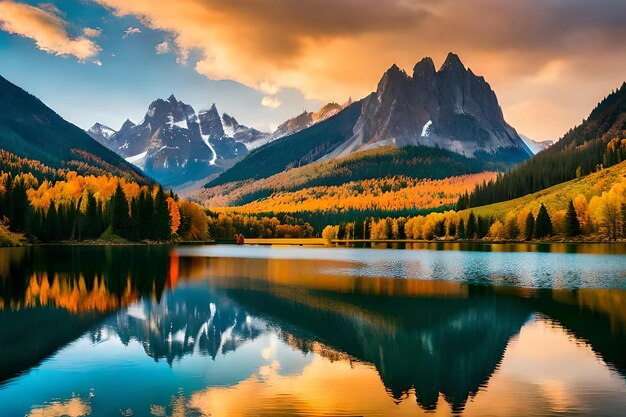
549, 61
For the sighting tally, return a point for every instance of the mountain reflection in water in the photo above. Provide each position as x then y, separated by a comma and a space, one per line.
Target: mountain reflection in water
294, 336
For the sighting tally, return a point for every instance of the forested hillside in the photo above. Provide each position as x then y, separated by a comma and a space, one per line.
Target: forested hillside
412, 162
31, 130
598, 142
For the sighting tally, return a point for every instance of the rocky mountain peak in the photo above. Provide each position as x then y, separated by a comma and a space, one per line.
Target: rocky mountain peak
425, 68
127, 125
230, 121
101, 133
451, 108
452, 63
211, 123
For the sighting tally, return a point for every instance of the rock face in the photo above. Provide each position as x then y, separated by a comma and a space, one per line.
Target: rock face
100, 132
307, 119
251, 137
450, 108
173, 144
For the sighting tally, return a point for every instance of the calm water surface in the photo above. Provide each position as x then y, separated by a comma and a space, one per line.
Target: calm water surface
267, 331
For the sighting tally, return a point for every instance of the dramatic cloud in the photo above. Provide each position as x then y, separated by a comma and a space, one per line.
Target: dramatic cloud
533, 53
131, 31
271, 102
47, 28
163, 48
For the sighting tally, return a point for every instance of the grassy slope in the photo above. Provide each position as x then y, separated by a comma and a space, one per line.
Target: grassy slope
558, 196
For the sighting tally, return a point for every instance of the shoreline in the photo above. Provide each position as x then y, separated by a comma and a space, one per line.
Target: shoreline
323, 242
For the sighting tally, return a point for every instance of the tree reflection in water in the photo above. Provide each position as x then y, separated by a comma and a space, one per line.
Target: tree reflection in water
430, 339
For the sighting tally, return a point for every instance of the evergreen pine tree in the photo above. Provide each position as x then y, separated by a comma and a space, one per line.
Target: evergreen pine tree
92, 227
134, 218
52, 229
120, 218
461, 229
472, 227
5, 208
452, 229
18, 206
530, 226
543, 224
571, 221
145, 207
162, 221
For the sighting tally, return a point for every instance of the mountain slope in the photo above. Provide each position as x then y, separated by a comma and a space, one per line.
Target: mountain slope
29, 129
557, 197
584, 149
296, 150
380, 163
307, 119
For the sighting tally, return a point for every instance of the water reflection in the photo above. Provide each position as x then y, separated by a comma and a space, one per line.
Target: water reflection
294, 336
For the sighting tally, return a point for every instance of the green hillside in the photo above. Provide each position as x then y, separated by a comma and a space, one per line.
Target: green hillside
558, 196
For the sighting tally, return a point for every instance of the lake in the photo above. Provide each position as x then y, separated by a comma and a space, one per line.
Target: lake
430, 329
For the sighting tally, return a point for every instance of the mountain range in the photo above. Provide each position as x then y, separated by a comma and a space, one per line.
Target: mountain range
451, 108
175, 145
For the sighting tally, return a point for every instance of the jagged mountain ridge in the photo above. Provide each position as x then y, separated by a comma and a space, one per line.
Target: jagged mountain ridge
451, 108
173, 144
307, 119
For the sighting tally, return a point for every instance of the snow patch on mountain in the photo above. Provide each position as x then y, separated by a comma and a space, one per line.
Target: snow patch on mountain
138, 160
426, 129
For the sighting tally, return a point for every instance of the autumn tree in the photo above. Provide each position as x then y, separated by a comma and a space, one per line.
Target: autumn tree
330, 233
174, 210
624, 220
193, 222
